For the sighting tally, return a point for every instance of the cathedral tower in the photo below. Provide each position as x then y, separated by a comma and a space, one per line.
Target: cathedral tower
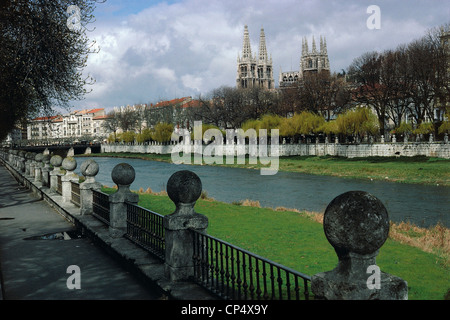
314, 61
253, 71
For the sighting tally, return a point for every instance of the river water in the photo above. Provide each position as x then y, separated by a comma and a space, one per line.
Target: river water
423, 205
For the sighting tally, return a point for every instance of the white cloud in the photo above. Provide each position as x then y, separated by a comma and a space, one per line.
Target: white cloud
190, 46
193, 82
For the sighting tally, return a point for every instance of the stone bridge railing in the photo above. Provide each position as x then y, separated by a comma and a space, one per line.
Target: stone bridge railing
355, 223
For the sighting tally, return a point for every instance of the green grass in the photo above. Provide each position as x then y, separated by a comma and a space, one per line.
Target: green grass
419, 169
296, 241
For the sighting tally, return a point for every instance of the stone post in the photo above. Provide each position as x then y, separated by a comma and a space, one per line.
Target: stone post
89, 170
32, 156
183, 188
16, 158
446, 138
56, 162
38, 167
357, 224
69, 164
28, 157
123, 176
22, 161
46, 170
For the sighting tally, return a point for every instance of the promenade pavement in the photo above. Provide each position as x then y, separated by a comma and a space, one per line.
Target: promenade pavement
37, 269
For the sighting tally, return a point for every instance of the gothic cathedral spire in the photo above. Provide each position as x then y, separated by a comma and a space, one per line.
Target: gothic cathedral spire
246, 47
263, 58
253, 72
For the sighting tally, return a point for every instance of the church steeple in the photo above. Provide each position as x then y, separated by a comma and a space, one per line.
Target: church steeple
254, 70
263, 58
246, 48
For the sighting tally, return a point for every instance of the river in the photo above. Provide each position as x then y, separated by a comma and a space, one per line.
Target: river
424, 205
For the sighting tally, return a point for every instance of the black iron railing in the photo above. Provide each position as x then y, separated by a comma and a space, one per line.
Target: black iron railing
235, 273
100, 206
75, 199
146, 228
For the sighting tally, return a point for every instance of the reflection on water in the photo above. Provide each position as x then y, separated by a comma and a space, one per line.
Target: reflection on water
422, 205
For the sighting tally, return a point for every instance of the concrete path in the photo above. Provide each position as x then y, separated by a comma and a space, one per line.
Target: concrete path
37, 269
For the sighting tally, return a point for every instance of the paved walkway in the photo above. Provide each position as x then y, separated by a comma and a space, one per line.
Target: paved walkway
37, 269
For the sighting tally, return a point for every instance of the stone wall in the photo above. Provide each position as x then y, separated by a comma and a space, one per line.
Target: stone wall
409, 149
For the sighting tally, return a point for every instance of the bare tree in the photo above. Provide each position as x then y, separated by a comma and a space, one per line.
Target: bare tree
365, 73
42, 58
127, 119
111, 123
323, 93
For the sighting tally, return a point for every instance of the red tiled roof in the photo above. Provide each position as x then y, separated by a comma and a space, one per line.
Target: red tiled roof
192, 103
170, 102
99, 117
88, 111
44, 118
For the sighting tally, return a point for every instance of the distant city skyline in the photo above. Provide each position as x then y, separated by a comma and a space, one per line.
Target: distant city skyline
161, 50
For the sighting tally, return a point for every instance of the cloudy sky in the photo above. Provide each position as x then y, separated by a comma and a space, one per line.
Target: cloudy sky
161, 50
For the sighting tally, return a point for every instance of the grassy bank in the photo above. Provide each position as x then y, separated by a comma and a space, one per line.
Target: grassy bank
421, 170
296, 239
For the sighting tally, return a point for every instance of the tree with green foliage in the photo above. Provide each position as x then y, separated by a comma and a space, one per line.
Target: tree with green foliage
128, 136
162, 132
302, 123
145, 135
357, 122
445, 126
424, 128
404, 129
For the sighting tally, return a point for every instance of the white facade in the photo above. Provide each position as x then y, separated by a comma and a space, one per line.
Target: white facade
77, 124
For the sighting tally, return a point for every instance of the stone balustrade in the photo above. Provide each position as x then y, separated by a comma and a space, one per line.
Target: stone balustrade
355, 223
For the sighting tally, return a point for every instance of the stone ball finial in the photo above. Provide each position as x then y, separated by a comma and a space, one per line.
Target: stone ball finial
89, 168
69, 164
56, 160
123, 174
38, 157
356, 222
184, 187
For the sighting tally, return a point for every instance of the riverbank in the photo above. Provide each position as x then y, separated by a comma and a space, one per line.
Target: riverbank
295, 239
414, 170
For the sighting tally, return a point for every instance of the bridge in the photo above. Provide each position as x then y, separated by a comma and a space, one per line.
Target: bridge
78, 148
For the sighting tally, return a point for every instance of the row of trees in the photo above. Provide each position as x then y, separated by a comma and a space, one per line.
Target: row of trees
358, 122
162, 132
410, 81
227, 107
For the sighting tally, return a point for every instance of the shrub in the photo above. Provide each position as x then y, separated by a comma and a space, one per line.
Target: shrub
162, 132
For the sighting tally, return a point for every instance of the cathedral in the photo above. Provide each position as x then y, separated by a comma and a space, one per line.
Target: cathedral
314, 61
257, 70
254, 71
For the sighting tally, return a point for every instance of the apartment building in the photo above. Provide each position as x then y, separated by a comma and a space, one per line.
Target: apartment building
76, 124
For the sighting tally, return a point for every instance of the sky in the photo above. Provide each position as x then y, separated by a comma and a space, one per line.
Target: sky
161, 50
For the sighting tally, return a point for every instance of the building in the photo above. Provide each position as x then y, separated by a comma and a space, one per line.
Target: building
254, 71
314, 61
74, 125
